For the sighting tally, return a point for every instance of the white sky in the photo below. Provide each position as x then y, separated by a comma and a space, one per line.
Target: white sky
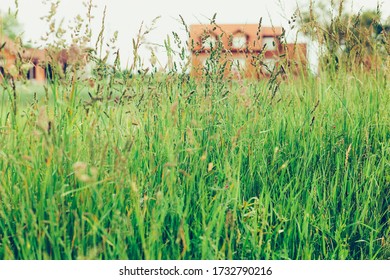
126, 16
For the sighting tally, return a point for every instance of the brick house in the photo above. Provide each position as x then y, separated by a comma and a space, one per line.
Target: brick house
247, 51
40, 62
12, 52
8, 52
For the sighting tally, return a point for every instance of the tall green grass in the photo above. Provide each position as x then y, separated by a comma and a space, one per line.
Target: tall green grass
164, 166
179, 173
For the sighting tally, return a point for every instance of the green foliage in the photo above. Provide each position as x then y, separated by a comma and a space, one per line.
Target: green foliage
10, 26
349, 37
167, 168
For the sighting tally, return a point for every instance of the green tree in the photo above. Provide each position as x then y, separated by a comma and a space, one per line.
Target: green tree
352, 37
10, 26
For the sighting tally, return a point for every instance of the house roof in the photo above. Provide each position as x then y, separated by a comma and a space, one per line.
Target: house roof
27, 53
35, 54
10, 45
225, 31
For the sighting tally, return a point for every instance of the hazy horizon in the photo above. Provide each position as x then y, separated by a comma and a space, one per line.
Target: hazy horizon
126, 18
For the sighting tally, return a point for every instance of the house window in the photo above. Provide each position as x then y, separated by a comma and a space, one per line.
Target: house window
209, 42
49, 72
270, 43
32, 73
64, 67
238, 64
239, 41
2, 65
268, 65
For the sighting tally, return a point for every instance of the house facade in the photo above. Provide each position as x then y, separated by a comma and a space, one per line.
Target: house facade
247, 50
11, 53
38, 64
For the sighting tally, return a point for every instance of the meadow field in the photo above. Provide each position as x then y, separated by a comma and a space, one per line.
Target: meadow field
165, 166
182, 170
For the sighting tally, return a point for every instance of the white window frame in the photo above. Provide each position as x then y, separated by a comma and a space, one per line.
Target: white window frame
239, 41
270, 43
209, 42
238, 64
